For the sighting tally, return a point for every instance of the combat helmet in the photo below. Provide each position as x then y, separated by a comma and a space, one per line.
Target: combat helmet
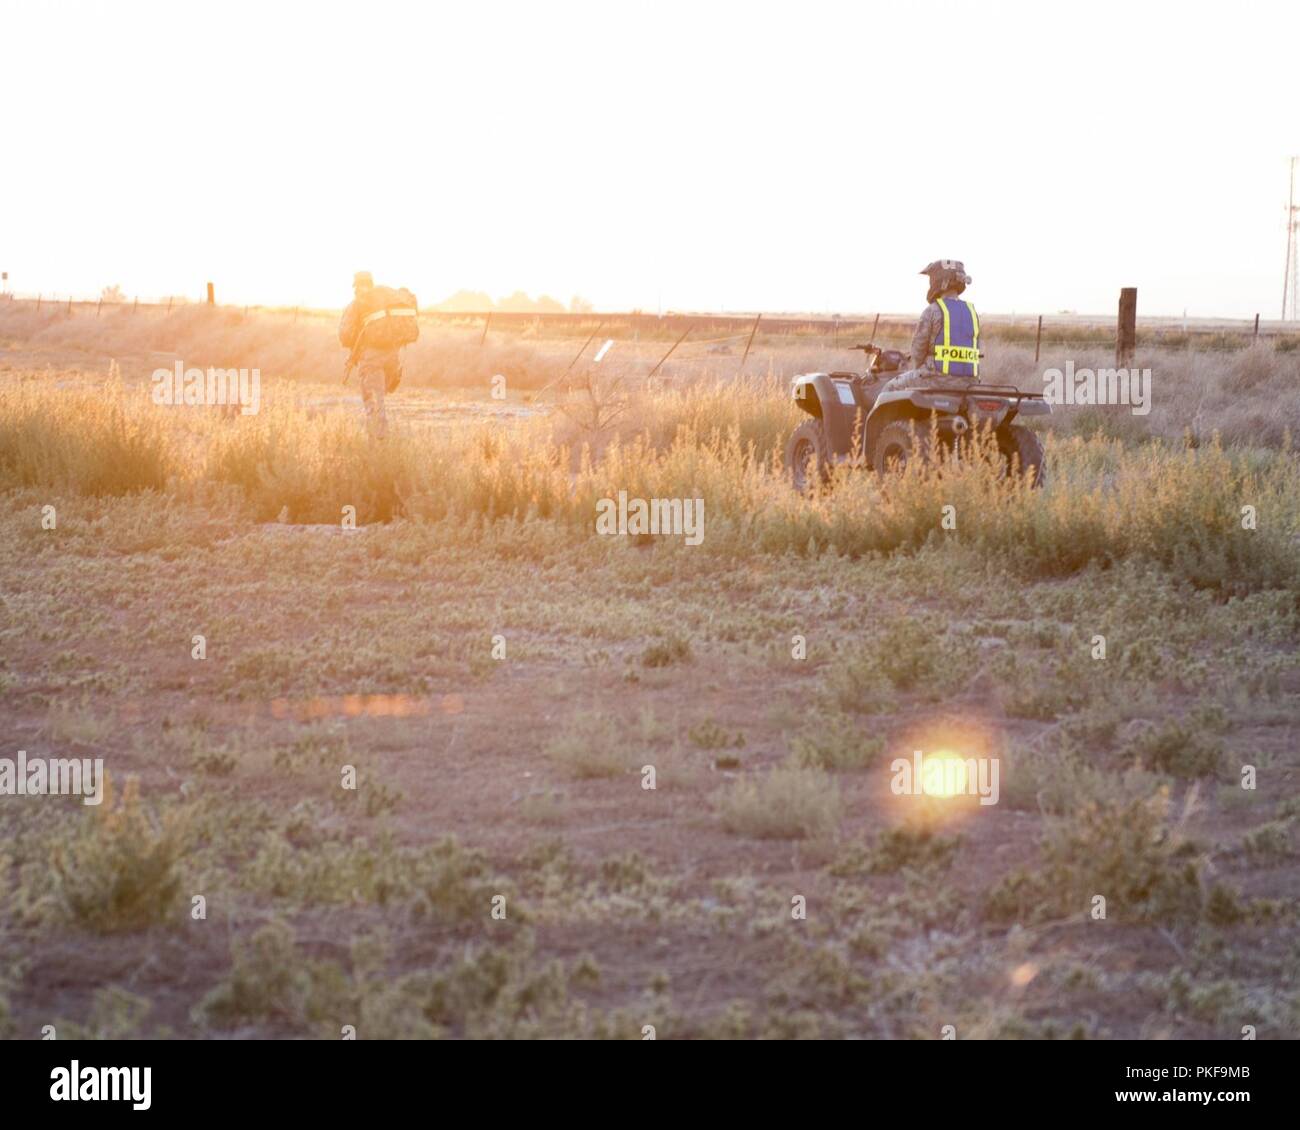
946, 274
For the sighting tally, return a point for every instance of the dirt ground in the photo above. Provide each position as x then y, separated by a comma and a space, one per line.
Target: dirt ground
501, 868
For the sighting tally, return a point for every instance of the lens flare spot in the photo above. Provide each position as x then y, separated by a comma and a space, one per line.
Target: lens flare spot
944, 774
1022, 974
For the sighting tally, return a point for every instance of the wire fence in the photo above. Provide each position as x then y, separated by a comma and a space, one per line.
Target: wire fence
835, 331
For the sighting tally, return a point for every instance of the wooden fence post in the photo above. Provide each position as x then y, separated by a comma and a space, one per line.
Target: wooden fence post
69, 304
747, 345
486, 322
212, 298
135, 306
1256, 337
38, 304
99, 305
584, 347
1126, 329
1038, 341
670, 351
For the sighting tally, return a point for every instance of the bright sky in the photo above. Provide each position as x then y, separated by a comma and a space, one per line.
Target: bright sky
701, 155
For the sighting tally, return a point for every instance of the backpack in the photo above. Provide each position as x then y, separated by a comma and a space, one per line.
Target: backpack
389, 318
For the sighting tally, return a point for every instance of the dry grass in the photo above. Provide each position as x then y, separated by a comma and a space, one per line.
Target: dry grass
1247, 396
92, 443
1177, 506
785, 803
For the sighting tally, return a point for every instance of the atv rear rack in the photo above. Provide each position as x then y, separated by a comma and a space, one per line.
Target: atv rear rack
1006, 392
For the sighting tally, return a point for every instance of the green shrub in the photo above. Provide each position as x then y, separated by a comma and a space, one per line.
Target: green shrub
592, 744
836, 744
666, 652
121, 872
271, 982
1189, 747
785, 803
1125, 851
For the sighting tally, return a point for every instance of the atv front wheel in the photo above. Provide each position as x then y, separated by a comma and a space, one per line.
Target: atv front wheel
1022, 452
805, 457
899, 443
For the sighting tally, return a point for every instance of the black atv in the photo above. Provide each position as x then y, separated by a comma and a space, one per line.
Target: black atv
855, 422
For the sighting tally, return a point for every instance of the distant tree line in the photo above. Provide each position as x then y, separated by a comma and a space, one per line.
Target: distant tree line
478, 301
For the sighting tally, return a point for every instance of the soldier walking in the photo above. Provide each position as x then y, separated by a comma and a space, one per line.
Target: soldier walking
376, 324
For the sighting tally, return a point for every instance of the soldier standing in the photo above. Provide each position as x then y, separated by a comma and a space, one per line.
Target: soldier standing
945, 347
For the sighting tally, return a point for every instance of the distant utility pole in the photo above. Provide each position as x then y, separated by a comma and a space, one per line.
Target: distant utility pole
1291, 273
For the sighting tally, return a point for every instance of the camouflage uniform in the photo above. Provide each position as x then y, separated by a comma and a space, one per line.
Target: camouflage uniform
373, 368
923, 372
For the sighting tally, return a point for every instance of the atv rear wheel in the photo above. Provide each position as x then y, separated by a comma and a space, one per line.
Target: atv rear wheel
899, 443
806, 458
1022, 452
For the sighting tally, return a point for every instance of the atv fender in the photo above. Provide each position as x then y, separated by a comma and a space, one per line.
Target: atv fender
900, 404
836, 404
811, 390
